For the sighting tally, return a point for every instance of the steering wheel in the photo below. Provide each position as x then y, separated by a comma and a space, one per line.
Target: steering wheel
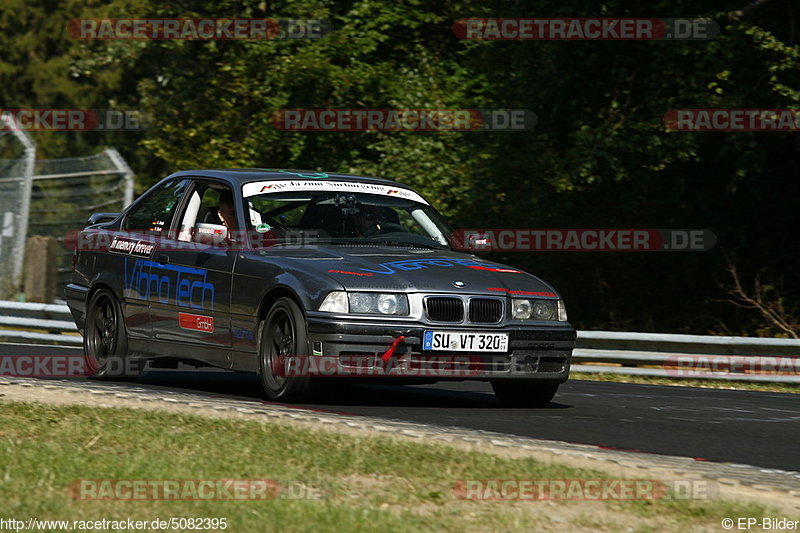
387, 227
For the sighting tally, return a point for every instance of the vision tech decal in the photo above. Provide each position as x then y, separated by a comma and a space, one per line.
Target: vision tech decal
394, 267
169, 284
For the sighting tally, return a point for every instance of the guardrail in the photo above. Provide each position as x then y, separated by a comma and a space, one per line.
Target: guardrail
688, 356
41, 323
611, 352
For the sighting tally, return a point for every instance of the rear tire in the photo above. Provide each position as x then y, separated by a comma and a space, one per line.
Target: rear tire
105, 340
523, 393
283, 335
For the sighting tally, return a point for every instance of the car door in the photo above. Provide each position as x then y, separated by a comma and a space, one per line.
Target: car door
130, 252
196, 274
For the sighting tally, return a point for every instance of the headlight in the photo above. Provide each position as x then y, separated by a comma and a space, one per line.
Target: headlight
544, 310
335, 302
523, 309
389, 304
377, 303
361, 302
562, 311
365, 303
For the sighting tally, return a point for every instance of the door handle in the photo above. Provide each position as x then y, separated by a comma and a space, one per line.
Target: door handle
162, 259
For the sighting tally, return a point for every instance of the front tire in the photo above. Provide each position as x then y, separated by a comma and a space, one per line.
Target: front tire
105, 340
523, 393
283, 336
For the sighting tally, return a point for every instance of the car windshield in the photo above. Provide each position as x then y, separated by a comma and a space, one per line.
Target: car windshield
347, 218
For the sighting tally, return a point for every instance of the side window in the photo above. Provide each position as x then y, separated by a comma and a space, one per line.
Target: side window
210, 206
155, 213
210, 214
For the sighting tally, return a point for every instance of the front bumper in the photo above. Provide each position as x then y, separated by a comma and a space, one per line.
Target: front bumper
535, 352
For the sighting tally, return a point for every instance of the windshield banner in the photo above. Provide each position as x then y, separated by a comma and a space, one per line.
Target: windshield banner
266, 187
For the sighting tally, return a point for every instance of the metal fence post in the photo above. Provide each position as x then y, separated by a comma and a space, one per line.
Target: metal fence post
25, 203
127, 175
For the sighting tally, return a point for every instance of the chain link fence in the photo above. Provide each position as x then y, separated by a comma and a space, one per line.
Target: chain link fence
17, 156
66, 191
51, 197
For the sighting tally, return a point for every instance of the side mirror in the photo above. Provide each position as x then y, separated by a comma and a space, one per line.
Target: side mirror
211, 234
99, 218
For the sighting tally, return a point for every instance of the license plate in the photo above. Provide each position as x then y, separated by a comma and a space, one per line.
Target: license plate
460, 341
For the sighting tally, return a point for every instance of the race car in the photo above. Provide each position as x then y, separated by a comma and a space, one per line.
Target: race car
307, 278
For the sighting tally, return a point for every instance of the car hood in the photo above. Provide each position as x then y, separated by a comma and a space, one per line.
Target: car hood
415, 270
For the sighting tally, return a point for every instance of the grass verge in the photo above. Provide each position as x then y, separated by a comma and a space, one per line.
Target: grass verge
368, 484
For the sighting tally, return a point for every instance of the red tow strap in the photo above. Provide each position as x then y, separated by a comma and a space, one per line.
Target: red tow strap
390, 352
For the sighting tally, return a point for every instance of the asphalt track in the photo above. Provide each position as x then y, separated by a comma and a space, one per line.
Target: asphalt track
756, 428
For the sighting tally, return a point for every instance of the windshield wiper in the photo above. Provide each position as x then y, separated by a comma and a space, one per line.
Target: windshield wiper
351, 242
366, 242
405, 244
409, 244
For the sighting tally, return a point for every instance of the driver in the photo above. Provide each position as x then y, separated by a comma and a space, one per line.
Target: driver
371, 219
226, 211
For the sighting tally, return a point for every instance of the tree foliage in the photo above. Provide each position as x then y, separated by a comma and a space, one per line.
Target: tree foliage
599, 157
